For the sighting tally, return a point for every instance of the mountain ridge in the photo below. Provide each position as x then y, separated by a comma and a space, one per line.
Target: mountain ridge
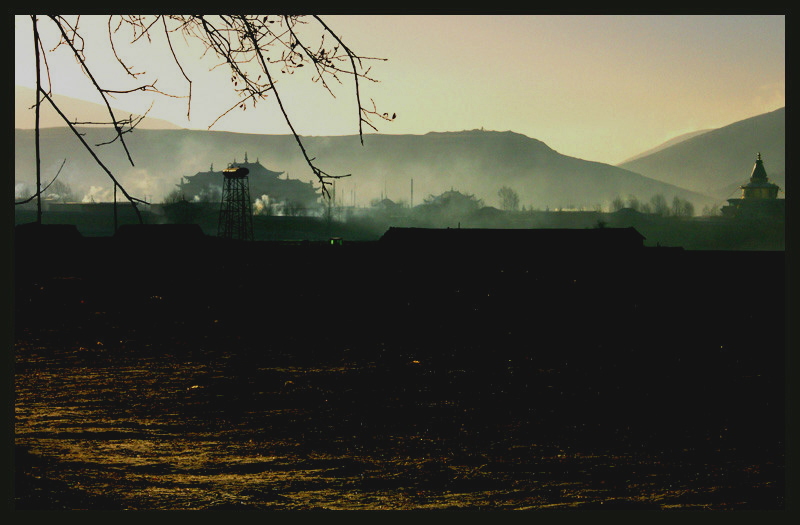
88, 111
698, 162
718, 161
474, 161
669, 143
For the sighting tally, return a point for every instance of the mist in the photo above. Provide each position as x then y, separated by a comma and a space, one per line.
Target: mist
475, 162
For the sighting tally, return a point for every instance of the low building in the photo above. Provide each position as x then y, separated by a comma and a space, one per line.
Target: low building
554, 240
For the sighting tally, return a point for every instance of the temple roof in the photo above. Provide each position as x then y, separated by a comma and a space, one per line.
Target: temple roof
759, 173
759, 179
256, 170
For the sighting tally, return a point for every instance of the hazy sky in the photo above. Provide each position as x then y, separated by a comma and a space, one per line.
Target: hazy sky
598, 87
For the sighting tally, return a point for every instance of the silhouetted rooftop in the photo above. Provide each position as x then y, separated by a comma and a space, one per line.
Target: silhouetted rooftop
46, 233
159, 232
559, 238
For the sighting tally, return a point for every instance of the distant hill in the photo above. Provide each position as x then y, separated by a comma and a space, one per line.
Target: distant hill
477, 162
73, 108
717, 162
670, 142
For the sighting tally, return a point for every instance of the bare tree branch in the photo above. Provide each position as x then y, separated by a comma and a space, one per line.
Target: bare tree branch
241, 42
131, 199
70, 41
172, 50
268, 43
321, 175
43, 190
363, 113
36, 46
114, 49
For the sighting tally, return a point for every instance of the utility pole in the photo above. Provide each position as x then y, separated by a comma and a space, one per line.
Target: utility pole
115, 208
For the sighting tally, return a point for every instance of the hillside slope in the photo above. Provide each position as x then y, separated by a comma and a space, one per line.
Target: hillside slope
74, 109
718, 161
667, 144
477, 162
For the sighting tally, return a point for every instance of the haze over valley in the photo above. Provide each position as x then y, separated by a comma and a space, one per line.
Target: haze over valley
702, 168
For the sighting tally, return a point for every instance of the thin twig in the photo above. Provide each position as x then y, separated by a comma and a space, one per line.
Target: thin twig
78, 56
132, 200
41, 192
174, 56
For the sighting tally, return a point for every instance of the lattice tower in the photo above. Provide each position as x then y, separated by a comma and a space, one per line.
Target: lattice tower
235, 212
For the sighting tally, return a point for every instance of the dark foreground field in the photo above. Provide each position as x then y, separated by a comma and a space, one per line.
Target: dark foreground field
266, 376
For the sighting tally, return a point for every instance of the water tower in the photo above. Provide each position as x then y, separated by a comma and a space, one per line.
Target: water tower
235, 212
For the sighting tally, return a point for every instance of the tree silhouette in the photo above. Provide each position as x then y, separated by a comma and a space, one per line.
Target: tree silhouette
60, 191
254, 47
659, 205
509, 199
681, 207
676, 207
174, 196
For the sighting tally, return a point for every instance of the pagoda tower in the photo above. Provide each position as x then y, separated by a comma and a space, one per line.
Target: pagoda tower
759, 186
759, 197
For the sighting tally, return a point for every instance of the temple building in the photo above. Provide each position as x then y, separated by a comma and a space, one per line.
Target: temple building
759, 197
207, 186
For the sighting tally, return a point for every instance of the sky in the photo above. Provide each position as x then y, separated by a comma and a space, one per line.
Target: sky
598, 87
